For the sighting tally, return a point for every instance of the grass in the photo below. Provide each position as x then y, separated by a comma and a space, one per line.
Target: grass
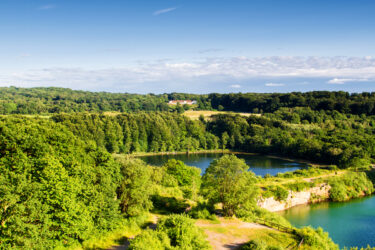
195, 114
128, 229
233, 231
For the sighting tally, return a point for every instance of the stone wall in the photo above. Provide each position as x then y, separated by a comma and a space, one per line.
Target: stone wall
311, 195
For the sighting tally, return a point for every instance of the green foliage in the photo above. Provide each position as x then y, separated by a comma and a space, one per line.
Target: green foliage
228, 181
168, 205
203, 210
299, 186
327, 138
278, 192
55, 190
316, 239
350, 185
309, 172
260, 214
135, 190
173, 232
188, 178
140, 132
259, 245
150, 240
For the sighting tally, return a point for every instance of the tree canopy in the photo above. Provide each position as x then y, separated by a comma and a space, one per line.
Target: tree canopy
228, 181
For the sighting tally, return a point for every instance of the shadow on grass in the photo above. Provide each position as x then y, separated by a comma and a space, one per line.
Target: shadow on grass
168, 205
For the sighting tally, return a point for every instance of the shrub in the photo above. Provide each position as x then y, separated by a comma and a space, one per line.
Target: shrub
188, 178
135, 188
351, 185
203, 211
173, 232
317, 238
278, 192
299, 186
150, 240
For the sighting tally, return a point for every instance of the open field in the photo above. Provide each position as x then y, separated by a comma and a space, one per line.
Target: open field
194, 115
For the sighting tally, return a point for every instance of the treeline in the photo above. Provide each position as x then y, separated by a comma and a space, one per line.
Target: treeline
343, 102
327, 137
141, 132
60, 100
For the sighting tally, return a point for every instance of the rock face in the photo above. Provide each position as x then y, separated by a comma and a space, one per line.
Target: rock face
311, 195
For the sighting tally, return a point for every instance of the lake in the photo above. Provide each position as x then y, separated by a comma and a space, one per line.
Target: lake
348, 223
259, 164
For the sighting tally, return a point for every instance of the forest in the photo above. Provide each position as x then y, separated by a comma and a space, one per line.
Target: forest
70, 180
326, 137
15, 100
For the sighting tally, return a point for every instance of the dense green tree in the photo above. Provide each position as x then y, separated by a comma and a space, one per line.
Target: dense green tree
188, 178
228, 181
135, 190
55, 190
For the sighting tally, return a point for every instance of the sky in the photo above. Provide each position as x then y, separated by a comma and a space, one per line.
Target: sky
194, 46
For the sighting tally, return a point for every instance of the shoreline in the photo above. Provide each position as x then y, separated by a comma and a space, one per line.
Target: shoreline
226, 151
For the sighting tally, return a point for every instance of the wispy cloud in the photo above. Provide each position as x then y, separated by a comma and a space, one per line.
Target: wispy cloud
163, 11
345, 80
229, 71
47, 7
235, 86
272, 84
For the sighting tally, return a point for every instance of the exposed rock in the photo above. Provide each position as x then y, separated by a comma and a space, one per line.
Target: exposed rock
311, 195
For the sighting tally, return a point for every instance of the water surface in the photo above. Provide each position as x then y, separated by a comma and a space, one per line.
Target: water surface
348, 223
259, 164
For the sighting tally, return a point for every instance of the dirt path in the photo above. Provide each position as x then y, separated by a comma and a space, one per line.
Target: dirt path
338, 173
229, 233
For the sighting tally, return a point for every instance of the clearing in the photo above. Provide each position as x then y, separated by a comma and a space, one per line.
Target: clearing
233, 233
194, 115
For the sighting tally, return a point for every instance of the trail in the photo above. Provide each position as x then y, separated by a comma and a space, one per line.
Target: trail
229, 233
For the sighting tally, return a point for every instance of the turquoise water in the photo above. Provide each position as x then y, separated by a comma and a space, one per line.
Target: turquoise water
259, 164
348, 223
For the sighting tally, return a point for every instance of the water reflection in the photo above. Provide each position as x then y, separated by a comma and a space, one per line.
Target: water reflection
348, 223
259, 164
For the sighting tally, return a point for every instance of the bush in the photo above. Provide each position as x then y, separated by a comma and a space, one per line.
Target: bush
259, 245
188, 178
150, 240
135, 188
173, 232
299, 186
203, 211
278, 192
317, 238
349, 186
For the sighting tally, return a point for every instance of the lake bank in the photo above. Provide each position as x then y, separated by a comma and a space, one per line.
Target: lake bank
348, 223
259, 164
225, 151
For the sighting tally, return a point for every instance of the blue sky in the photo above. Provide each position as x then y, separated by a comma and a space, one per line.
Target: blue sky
188, 46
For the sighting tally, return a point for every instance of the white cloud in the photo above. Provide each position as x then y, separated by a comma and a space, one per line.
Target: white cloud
163, 11
271, 84
211, 70
345, 80
235, 86
47, 7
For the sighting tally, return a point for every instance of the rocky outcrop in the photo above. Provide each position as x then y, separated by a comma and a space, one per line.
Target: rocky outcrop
311, 195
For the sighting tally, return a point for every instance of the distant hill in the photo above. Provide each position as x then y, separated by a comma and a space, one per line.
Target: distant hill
15, 100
